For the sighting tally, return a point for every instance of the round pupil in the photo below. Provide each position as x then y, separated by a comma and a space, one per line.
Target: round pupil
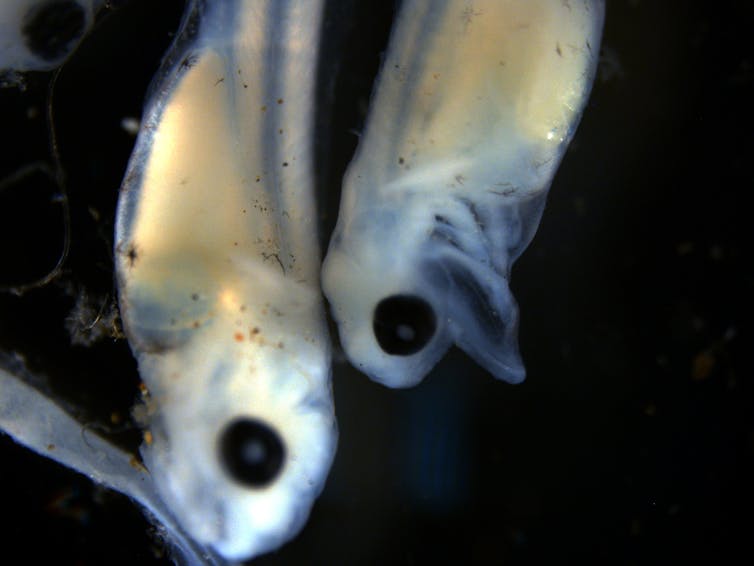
403, 324
52, 27
252, 452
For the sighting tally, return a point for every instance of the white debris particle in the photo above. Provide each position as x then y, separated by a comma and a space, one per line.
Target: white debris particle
130, 125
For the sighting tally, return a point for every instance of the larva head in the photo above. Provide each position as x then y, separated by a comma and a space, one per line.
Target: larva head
241, 463
391, 325
240, 415
405, 280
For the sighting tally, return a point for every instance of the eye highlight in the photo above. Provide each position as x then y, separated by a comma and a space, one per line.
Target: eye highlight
251, 452
403, 324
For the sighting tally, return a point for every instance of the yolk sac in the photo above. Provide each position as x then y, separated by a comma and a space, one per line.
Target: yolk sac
403, 324
252, 452
52, 29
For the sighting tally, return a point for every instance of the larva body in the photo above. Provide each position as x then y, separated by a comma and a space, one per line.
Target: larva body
217, 266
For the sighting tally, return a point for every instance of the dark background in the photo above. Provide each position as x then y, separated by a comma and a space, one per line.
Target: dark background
632, 439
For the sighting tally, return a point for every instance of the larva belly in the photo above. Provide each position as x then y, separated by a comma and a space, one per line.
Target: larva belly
473, 110
217, 266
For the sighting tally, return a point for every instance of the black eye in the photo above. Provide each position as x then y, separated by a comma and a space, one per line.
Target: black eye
51, 28
403, 324
252, 452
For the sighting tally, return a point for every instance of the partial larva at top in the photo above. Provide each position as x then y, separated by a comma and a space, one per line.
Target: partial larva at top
38, 35
473, 110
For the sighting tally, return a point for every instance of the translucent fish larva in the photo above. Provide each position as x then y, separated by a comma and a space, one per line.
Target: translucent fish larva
473, 110
218, 264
